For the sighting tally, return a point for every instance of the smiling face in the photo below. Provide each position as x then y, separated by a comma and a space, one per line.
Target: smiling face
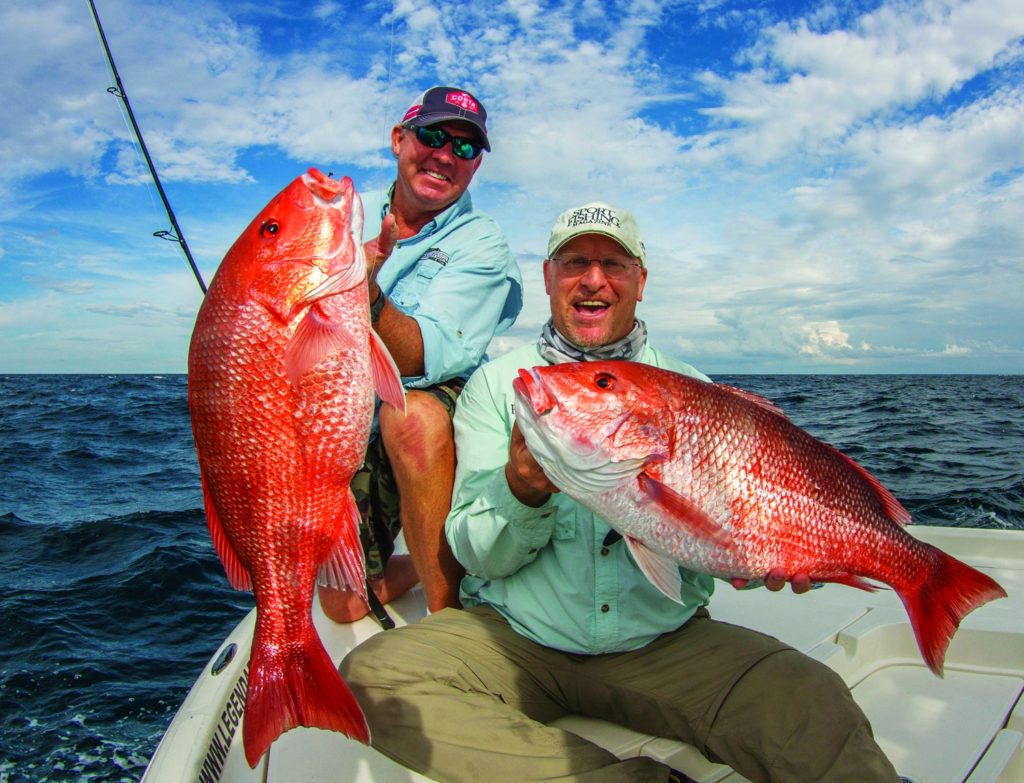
592, 310
429, 180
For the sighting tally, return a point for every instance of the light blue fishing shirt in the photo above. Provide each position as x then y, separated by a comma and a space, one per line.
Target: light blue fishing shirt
456, 277
548, 570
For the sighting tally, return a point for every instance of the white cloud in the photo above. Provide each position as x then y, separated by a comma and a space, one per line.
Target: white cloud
851, 191
807, 88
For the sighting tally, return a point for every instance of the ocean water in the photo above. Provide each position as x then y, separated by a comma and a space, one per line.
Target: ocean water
112, 599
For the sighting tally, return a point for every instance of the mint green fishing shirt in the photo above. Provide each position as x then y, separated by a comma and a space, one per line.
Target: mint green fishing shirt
548, 569
456, 277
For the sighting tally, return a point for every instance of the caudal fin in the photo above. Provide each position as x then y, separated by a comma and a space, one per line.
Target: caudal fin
296, 685
936, 607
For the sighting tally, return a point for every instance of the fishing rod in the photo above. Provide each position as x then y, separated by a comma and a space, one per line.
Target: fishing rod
175, 234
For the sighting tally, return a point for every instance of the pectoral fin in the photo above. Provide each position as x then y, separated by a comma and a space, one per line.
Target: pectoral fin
662, 571
686, 513
386, 378
314, 339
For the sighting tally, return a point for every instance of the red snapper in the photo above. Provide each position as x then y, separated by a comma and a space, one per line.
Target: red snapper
281, 375
719, 481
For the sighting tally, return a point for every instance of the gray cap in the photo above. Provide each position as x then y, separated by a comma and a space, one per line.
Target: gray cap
597, 217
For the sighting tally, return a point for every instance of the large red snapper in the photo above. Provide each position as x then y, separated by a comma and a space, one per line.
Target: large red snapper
719, 481
281, 374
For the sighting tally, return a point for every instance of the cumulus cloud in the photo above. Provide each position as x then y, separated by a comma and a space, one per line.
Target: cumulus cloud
836, 188
804, 89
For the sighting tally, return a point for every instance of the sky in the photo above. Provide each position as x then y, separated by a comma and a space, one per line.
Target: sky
822, 187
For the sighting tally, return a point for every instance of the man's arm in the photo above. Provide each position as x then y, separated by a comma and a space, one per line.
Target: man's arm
442, 331
475, 296
491, 532
400, 333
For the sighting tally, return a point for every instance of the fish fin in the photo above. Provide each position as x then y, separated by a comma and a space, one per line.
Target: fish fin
315, 337
238, 575
662, 571
683, 510
939, 601
757, 399
295, 684
852, 580
345, 568
386, 378
891, 507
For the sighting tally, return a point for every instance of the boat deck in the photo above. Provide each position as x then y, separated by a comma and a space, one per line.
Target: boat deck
967, 727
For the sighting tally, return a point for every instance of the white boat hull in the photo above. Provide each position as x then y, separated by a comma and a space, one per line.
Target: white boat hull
965, 728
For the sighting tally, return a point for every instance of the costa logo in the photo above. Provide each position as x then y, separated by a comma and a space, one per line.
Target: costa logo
463, 101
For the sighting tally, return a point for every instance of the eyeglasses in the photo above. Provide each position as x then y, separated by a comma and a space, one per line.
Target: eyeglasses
435, 138
613, 268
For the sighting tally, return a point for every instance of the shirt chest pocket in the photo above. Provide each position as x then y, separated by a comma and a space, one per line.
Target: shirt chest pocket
410, 289
565, 527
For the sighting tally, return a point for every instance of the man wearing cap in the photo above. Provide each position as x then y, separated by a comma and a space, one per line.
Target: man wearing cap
558, 618
442, 283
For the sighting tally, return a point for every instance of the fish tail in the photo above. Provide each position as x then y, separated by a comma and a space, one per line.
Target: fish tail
297, 685
938, 603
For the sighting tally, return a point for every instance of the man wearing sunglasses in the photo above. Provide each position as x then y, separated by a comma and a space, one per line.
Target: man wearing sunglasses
559, 619
442, 283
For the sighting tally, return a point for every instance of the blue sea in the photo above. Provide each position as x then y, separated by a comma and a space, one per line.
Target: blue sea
112, 600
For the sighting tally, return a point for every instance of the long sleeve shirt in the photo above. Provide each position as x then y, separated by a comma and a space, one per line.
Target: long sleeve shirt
552, 571
457, 278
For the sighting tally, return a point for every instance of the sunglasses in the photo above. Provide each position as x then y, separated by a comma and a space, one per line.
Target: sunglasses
435, 138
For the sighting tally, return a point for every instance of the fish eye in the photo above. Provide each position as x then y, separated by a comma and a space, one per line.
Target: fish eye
605, 381
269, 229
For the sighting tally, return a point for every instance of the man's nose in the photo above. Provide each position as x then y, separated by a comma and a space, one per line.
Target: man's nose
594, 277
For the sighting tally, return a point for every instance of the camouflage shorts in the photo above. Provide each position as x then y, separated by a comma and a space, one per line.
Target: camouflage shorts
376, 491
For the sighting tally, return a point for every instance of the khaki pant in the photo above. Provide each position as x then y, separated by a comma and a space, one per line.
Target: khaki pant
462, 697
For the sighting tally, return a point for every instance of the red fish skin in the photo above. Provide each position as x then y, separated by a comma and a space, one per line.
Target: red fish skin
730, 487
278, 440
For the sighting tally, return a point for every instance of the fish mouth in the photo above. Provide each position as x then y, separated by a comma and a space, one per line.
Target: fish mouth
530, 389
324, 187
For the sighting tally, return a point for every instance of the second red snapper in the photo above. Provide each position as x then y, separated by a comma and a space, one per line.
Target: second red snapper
719, 481
281, 375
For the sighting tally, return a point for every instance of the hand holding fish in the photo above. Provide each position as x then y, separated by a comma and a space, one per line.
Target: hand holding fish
526, 479
776, 580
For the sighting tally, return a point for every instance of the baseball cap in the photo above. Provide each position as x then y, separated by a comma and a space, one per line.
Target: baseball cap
598, 217
442, 104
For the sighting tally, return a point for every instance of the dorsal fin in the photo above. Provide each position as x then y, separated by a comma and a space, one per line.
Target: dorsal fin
757, 399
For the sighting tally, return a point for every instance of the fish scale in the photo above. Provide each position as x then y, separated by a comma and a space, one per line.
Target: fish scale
719, 481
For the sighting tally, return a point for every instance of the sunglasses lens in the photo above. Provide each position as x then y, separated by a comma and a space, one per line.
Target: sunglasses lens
464, 148
432, 137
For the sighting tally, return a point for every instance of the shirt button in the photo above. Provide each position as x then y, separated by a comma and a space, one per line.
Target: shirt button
605, 607
604, 551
